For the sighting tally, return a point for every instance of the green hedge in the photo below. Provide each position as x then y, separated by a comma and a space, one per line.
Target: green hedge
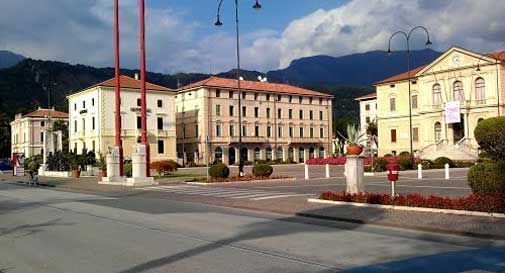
219, 170
379, 165
264, 170
487, 178
441, 161
405, 164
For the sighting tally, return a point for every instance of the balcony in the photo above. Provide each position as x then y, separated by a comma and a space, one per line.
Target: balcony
303, 140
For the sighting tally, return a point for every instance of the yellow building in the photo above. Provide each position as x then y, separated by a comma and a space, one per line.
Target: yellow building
279, 122
459, 76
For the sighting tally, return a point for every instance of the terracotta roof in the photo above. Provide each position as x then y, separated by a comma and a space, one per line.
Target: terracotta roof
500, 55
128, 82
402, 76
40, 113
216, 82
365, 97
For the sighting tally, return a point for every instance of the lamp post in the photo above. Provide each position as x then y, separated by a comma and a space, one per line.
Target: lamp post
117, 88
497, 60
428, 43
143, 105
218, 23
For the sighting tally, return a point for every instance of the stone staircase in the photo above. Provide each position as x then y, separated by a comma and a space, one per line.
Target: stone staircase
463, 150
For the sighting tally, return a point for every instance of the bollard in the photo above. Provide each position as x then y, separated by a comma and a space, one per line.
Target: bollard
419, 171
306, 171
327, 170
447, 171
393, 193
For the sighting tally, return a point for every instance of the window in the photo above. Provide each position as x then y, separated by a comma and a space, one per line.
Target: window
480, 91
279, 97
41, 137
93, 102
232, 130
280, 153
438, 131
160, 103
310, 100
160, 123
290, 113
311, 132
458, 91
320, 115
218, 154
268, 154
231, 111
244, 95
218, 130
218, 93
321, 152
218, 110
83, 125
93, 146
139, 102
268, 96
42, 124
437, 94
279, 113
244, 130
290, 99
244, 111
255, 96
161, 147
256, 112
184, 132
256, 131
311, 115
300, 99
392, 104
279, 131
93, 123
83, 104
139, 122
367, 120
256, 154
367, 107
230, 94
301, 114
75, 125
290, 131
415, 134
268, 112
269, 131
414, 101
301, 132
311, 152
196, 130
75, 106
320, 101
321, 132
393, 135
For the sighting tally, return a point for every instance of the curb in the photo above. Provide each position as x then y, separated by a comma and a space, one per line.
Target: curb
241, 182
405, 208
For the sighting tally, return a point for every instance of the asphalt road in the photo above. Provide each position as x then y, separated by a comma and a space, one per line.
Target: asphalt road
43, 230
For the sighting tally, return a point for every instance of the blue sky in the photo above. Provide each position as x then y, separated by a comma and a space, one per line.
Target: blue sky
181, 36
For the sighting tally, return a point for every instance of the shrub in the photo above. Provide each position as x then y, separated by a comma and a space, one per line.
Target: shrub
441, 161
59, 161
164, 167
219, 170
405, 164
487, 178
427, 164
388, 155
490, 135
128, 169
404, 154
379, 165
263, 170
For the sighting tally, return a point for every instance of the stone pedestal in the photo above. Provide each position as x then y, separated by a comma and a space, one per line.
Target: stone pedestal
139, 168
113, 175
354, 174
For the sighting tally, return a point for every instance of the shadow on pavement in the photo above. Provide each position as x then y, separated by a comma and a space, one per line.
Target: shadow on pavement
30, 229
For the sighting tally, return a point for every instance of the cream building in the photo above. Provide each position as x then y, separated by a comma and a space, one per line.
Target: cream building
28, 131
474, 80
279, 121
92, 122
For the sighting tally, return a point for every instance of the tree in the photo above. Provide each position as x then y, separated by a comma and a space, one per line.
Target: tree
61, 125
490, 134
5, 136
371, 129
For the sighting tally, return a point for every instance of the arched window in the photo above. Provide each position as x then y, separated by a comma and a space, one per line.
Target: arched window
438, 131
311, 152
256, 154
244, 154
291, 154
437, 95
321, 152
301, 155
218, 155
269, 154
480, 91
458, 94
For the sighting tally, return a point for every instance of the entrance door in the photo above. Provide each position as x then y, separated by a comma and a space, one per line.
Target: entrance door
458, 130
231, 156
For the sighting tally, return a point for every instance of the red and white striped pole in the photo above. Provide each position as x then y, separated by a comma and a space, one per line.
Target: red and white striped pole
143, 111
118, 141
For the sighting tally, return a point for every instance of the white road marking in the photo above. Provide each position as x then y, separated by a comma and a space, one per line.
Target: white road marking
282, 196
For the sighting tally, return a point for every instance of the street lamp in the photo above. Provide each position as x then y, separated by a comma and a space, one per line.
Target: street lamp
428, 43
218, 23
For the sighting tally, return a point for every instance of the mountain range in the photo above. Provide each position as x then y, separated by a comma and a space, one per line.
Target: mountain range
8, 58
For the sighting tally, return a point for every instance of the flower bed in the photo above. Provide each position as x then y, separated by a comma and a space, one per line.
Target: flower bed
485, 203
246, 178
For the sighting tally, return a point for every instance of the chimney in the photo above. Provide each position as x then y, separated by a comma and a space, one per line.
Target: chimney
137, 76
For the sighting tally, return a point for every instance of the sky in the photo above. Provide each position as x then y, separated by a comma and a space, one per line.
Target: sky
181, 36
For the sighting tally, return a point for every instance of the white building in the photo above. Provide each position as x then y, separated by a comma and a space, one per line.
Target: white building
367, 110
27, 131
92, 122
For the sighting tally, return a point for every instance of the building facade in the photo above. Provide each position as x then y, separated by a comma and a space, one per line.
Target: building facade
28, 131
367, 110
92, 118
449, 96
279, 122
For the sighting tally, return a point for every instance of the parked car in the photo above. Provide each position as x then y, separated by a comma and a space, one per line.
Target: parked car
5, 165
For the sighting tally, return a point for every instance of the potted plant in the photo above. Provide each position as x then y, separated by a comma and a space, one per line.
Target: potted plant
354, 139
74, 165
102, 166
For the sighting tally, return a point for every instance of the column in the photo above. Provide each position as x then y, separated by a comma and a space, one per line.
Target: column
305, 154
274, 153
354, 174
263, 154
226, 157
285, 153
250, 154
467, 131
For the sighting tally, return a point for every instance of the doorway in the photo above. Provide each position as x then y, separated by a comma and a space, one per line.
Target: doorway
458, 130
231, 156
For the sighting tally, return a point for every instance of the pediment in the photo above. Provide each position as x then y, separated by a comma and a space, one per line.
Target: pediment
456, 58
